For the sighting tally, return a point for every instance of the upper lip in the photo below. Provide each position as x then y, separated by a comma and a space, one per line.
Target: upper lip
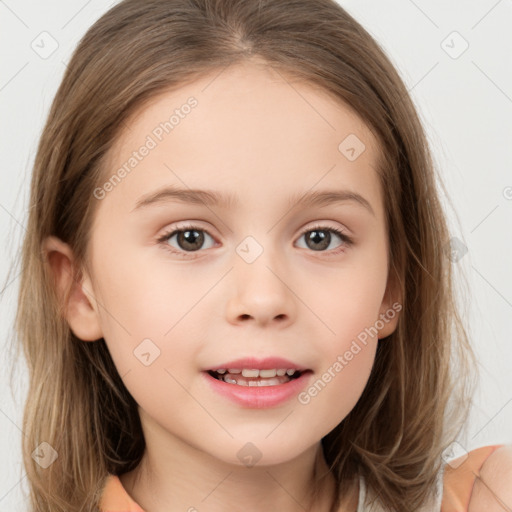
253, 363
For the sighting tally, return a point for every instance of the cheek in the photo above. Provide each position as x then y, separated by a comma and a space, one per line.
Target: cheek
346, 301
337, 386
348, 306
137, 293
150, 314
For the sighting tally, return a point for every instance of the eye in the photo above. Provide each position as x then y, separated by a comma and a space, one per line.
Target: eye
189, 239
319, 238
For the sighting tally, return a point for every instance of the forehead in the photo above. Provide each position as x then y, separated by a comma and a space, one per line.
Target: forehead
249, 130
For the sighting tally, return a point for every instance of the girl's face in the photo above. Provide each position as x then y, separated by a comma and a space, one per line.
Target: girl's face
260, 276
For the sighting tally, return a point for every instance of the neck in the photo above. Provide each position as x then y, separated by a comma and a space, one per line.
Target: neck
174, 476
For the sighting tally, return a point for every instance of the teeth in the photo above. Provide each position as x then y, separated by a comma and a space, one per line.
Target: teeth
266, 382
270, 382
252, 372
267, 373
241, 381
254, 377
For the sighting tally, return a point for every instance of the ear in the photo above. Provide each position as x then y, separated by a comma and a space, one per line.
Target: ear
73, 292
391, 306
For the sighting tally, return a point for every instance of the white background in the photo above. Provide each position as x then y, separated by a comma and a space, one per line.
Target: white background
465, 104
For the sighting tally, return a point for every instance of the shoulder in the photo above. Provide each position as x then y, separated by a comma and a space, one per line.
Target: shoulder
466, 479
492, 490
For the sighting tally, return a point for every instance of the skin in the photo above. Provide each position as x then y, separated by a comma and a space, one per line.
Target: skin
492, 491
263, 138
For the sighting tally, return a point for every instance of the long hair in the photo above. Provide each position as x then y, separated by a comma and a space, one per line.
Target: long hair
416, 399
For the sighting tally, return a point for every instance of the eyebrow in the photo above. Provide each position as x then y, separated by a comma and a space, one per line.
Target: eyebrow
215, 198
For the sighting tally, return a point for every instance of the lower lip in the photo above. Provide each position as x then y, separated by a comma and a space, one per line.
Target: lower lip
259, 397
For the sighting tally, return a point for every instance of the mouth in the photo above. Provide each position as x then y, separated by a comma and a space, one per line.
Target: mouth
254, 377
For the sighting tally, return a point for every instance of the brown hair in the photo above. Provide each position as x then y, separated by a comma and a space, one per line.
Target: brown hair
416, 399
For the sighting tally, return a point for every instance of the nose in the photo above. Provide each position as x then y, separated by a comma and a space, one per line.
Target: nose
261, 292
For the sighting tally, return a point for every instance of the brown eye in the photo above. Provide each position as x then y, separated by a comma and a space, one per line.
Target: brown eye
188, 239
319, 238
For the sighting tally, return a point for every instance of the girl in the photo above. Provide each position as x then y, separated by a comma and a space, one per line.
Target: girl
189, 346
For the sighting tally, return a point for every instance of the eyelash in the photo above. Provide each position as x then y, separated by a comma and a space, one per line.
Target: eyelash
347, 241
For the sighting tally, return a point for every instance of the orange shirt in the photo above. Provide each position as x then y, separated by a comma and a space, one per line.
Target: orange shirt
457, 486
